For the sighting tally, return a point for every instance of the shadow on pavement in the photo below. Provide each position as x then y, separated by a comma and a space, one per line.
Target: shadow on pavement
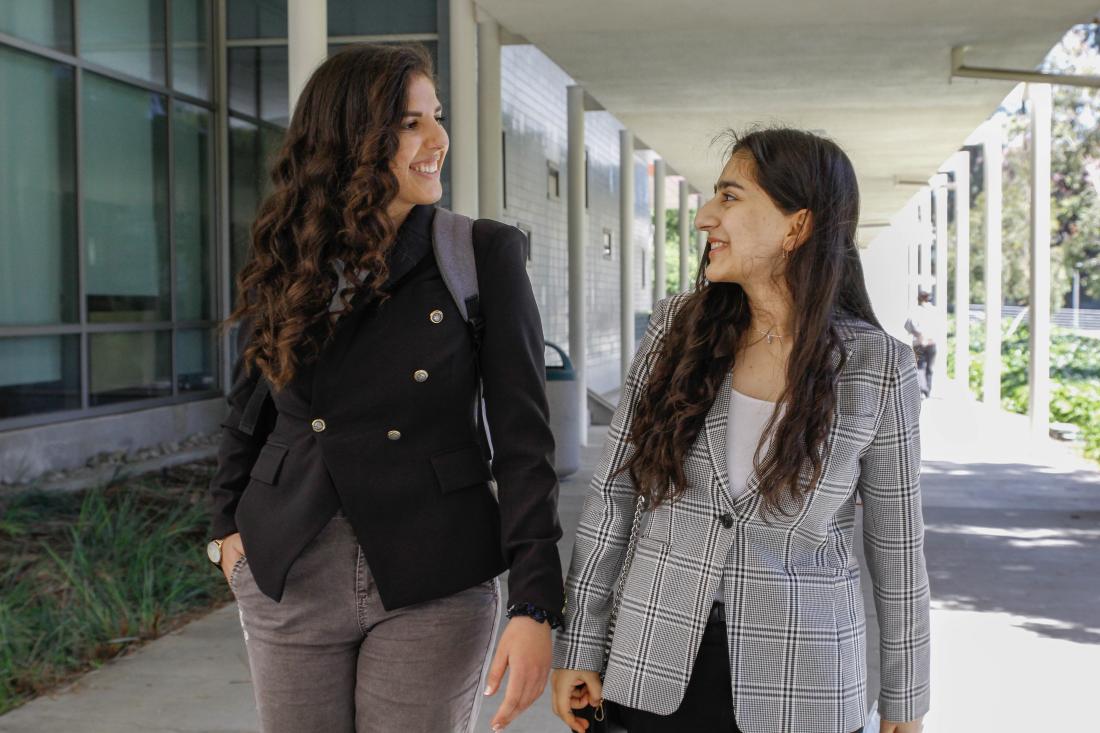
1018, 539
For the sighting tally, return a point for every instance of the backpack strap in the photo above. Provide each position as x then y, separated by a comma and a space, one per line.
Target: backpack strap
453, 245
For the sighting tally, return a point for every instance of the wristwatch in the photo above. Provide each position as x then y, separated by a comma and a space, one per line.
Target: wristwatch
214, 552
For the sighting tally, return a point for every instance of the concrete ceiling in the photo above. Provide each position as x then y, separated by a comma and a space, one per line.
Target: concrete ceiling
873, 75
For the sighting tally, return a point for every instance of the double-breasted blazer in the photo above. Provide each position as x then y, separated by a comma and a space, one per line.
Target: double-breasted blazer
790, 582
383, 426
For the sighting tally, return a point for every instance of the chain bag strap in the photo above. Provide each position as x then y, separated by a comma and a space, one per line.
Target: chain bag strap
620, 585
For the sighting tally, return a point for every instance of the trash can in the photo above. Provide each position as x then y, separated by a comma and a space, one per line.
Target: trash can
561, 393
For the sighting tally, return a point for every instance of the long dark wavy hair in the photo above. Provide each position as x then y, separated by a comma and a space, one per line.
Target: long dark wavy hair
332, 185
824, 277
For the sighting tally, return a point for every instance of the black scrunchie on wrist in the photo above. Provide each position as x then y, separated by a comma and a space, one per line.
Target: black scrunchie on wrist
537, 613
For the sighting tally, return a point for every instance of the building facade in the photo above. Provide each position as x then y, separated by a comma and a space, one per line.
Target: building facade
134, 144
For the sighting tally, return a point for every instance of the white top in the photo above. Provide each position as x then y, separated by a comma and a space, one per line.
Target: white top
745, 425
747, 418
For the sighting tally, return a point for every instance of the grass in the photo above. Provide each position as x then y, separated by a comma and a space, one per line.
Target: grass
88, 576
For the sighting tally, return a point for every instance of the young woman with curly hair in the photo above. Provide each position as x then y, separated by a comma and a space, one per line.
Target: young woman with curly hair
353, 508
760, 408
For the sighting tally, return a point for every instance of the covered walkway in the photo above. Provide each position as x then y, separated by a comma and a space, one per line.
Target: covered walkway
1013, 550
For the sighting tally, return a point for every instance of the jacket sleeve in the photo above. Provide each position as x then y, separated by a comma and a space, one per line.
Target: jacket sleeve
893, 541
237, 450
605, 523
513, 376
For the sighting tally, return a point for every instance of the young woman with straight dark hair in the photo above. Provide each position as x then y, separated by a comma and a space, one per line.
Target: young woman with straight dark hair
759, 410
352, 508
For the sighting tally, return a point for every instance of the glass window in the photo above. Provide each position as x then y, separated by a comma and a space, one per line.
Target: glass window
39, 374
191, 47
37, 207
125, 193
46, 22
256, 19
129, 366
358, 18
195, 350
258, 82
250, 152
124, 35
192, 193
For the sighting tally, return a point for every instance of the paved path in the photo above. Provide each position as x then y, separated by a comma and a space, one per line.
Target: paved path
1013, 549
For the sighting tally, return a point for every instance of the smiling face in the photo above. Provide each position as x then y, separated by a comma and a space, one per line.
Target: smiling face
422, 148
747, 233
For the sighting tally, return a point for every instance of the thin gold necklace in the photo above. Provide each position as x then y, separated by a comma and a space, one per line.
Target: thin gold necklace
768, 334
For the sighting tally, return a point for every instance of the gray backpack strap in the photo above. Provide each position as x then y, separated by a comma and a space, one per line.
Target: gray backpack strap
453, 242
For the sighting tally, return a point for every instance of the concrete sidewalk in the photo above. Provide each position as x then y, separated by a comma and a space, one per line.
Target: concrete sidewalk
1013, 548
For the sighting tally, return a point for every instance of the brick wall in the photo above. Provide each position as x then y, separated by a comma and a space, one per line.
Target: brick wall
533, 98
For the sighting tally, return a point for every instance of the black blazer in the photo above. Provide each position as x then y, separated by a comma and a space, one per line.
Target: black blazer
403, 457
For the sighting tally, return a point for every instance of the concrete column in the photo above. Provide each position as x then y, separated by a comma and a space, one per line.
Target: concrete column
463, 102
960, 164
306, 41
993, 154
490, 162
578, 347
685, 234
940, 257
912, 231
925, 205
658, 230
1039, 95
626, 249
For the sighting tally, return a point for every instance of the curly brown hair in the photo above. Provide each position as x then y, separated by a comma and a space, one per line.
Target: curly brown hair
332, 184
798, 170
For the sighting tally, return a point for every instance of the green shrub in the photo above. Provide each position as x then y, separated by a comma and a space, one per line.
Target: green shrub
86, 576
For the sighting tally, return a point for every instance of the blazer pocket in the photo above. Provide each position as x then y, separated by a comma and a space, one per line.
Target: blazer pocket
462, 467
267, 465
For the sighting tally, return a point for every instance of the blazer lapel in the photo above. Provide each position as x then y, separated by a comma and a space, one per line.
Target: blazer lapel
715, 425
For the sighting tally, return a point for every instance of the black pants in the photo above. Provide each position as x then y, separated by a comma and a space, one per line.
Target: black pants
708, 701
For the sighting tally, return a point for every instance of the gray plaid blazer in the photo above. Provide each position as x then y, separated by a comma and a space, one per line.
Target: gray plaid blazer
790, 584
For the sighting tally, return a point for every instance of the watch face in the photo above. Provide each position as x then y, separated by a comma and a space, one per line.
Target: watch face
214, 552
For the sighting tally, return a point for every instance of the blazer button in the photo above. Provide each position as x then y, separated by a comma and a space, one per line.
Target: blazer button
726, 520
318, 425
420, 375
436, 316
394, 435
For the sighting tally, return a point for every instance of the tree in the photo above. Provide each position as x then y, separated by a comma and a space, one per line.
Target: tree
1075, 185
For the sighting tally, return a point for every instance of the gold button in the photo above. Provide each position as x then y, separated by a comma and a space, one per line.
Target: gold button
318, 425
420, 375
436, 316
394, 435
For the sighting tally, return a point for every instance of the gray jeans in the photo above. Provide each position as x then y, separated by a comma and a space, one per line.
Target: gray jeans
330, 658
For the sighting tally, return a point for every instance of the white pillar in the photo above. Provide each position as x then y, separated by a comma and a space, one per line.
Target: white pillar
658, 230
925, 204
577, 234
463, 102
1039, 96
991, 374
490, 163
684, 234
940, 260
961, 167
911, 228
306, 43
626, 249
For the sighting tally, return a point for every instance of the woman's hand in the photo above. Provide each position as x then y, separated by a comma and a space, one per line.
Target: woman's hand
913, 726
524, 648
574, 689
232, 551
